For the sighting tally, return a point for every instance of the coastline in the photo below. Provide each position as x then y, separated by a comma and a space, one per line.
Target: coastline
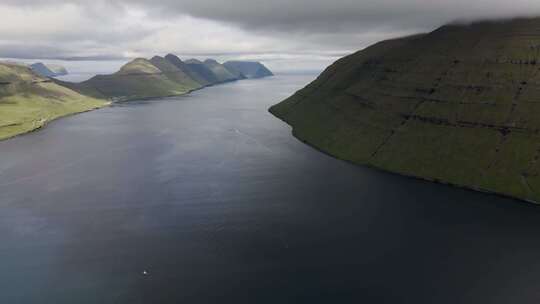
410, 176
42, 124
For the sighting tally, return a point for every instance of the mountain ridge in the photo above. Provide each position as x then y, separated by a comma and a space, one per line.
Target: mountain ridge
186, 69
28, 100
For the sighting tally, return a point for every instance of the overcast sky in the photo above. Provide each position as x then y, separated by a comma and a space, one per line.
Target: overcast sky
305, 34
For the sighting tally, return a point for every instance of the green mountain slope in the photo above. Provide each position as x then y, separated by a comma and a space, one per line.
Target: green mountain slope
186, 69
248, 69
158, 77
222, 73
174, 73
28, 101
460, 105
199, 68
138, 79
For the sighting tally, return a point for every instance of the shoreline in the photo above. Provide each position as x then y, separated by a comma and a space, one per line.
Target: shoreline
45, 122
109, 103
410, 176
172, 95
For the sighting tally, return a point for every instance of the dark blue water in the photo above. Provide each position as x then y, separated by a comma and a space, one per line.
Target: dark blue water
207, 198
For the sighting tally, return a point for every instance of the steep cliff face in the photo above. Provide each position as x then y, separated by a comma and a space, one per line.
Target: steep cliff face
460, 105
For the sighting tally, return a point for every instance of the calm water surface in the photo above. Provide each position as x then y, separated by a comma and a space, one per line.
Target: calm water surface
207, 198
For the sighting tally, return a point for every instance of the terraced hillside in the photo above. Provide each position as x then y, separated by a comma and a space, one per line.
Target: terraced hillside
460, 105
29, 101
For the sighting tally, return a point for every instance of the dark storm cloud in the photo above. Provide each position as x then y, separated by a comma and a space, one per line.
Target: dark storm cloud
328, 15
288, 27
320, 15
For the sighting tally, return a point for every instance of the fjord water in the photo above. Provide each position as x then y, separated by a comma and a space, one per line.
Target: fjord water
207, 198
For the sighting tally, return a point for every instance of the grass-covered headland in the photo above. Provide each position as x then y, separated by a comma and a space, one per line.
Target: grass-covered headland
29, 101
460, 105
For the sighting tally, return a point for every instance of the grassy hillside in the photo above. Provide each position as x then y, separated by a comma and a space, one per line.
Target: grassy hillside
138, 79
460, 105
29, 101
158, 77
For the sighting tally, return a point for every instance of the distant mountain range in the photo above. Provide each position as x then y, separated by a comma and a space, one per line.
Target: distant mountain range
165, 76
29, 97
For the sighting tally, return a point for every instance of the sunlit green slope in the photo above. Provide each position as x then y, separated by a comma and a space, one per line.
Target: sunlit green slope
29, 101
